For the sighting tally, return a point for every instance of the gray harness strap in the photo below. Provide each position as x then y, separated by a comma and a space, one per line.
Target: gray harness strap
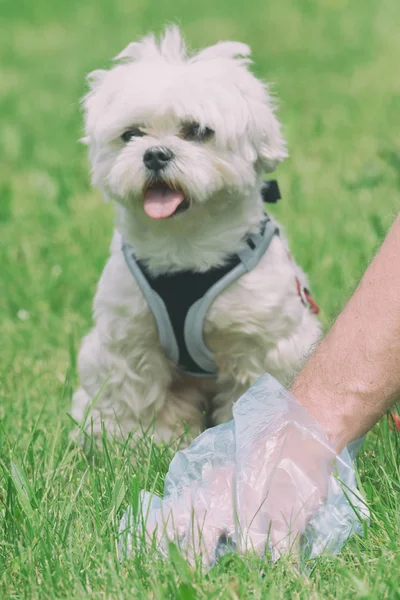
194, 323
156, 304
199, 353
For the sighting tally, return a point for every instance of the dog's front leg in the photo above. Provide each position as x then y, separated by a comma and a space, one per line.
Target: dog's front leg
128, 397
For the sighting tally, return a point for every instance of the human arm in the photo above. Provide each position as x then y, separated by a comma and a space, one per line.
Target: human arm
354, 375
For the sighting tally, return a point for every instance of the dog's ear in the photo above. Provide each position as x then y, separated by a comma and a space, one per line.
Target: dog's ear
271, 146
263, 126
93, 79
272, 149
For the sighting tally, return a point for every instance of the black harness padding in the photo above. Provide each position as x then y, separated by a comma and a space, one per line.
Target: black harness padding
179, 292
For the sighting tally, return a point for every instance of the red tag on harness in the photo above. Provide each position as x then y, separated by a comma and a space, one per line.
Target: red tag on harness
306, 298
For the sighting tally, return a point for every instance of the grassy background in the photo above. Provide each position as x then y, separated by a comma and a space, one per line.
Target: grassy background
335, 68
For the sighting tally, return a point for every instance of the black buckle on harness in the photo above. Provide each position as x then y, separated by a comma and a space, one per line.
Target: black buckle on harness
270, 191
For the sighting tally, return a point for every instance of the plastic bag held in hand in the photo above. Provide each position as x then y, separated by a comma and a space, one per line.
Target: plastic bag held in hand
267, 480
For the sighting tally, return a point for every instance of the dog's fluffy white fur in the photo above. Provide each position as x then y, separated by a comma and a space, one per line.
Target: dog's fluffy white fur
259, 323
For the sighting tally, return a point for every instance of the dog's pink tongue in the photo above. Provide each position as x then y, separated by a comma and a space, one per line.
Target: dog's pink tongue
160, 203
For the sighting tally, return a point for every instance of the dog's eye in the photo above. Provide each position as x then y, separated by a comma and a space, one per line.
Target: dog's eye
194, 132
130, 133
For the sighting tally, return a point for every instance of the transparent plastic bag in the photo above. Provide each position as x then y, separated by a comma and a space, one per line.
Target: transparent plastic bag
267, 480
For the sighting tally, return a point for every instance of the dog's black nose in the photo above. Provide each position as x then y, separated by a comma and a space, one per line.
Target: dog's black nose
157, 158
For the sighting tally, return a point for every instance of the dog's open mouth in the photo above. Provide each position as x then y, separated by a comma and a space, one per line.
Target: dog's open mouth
162, 201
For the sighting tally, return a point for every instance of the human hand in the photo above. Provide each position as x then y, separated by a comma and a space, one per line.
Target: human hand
254, 483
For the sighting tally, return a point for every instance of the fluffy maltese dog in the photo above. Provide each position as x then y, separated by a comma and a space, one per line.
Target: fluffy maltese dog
200, 295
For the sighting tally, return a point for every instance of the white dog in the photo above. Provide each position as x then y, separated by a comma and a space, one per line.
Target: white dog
180, 143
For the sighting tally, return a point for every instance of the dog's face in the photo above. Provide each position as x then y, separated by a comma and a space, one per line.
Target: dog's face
167, 132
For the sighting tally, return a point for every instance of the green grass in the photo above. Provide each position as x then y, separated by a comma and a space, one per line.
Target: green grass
335, 67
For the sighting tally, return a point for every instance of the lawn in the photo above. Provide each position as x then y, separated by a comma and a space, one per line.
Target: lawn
334, 64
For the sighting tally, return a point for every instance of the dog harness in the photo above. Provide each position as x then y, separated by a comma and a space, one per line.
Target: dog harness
180, 301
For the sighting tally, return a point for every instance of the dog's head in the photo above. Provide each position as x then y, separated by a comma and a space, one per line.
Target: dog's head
168, 131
